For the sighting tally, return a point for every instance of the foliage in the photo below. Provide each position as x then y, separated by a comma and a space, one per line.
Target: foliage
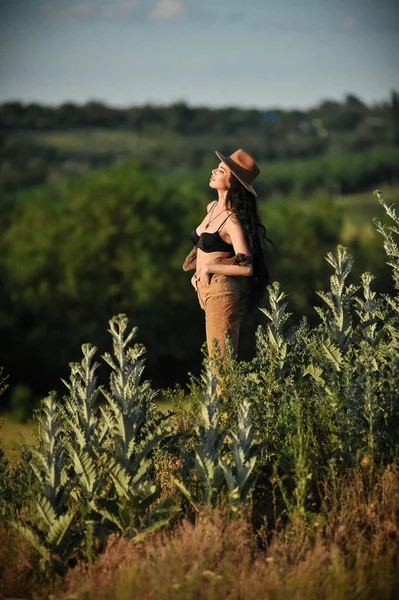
3, 379
94, 463
238, 467
18, 488
324, 398
315, 404
56, 533
222, 458
95, 468
75, 253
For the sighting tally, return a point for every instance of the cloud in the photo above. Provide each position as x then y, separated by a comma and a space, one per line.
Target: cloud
120, 8
112, 9
76, 11
168, 9
349, 23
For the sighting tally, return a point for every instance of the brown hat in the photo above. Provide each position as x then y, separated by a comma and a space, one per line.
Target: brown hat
243, 166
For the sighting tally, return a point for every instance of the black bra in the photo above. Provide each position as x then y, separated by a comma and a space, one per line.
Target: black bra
211, 242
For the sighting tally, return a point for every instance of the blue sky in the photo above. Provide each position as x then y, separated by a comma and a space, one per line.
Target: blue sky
252, 53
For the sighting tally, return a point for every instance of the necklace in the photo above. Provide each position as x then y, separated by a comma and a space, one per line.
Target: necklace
215, 217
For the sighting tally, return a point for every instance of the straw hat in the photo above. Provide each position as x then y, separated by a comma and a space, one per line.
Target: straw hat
243, 166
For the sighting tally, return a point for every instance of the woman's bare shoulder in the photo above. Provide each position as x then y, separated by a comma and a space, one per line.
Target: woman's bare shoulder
233, 220
208, 208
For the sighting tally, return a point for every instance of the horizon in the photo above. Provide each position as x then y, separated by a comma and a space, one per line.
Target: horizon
369, 105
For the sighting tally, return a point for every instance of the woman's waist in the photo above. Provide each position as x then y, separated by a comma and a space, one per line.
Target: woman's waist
206, 258
224, 281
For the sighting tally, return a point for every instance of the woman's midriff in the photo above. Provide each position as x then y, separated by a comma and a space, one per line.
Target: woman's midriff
204, 258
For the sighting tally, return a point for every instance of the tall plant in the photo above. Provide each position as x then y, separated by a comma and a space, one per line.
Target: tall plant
224, 459
94, 462
56, 534
135, 428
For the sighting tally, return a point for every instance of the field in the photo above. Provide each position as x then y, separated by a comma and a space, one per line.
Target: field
13, 434
353, 554
283, 485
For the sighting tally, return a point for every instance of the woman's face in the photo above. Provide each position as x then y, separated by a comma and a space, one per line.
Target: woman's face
220, 178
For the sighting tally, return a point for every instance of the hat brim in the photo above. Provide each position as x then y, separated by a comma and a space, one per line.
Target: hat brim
231, 165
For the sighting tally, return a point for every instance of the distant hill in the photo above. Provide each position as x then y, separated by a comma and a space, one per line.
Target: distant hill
39, 142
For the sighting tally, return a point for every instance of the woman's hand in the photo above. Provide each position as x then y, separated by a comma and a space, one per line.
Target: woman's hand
194, 282
203, 275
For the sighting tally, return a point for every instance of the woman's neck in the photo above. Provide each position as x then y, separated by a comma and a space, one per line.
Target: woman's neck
222, 205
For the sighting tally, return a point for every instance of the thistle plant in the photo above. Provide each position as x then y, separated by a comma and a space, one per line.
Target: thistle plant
3, 379
224, 460
238, 466
343, 366
368, 309
94, 464
129, 401
80, 408
392, 250
135, 428
277, 315
389, 345
261, 380
59, 536
390, 246
210, 440
337, 315
48, 462
86, 431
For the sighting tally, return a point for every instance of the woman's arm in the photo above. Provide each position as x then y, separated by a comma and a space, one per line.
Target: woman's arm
234, 230
235, 270
224, 268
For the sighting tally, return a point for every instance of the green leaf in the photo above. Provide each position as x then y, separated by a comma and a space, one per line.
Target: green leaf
185, 493
32, 537
59, 529
46, 511
333, 353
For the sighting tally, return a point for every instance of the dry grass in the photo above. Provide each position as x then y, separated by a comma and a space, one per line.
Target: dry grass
216, 559
348, 551
18, 567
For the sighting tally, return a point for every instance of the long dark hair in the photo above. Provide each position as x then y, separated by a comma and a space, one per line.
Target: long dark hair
244, 204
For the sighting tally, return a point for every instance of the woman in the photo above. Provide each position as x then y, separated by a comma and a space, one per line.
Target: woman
231, 275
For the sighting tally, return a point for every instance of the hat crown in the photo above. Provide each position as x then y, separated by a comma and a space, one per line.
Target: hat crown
247, 162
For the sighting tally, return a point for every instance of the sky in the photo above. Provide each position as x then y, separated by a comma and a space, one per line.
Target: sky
245, 53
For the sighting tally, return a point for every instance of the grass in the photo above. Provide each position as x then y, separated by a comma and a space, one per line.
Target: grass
358, 231
349, 550
361, 208
96, 141
13, 434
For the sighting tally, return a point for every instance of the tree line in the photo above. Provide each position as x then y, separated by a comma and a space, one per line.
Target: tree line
180, 118
39, 141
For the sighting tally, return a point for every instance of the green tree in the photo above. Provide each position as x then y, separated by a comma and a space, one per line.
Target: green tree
82, 250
